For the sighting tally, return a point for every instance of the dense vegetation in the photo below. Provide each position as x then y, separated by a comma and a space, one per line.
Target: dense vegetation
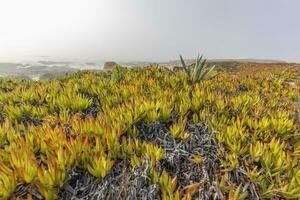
234, 136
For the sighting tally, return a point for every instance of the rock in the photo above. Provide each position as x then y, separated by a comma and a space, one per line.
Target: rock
293, 85
110, 65
175, 68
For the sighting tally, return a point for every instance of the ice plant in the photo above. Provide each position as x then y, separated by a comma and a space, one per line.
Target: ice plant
168, 187
8, 181
24, 162
242, 125
153, 153
100, 165
177, 130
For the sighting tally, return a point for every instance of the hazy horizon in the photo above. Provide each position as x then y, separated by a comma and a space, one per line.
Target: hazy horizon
140, 30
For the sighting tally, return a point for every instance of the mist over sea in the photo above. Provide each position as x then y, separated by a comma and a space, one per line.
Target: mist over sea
43, 67
52, 61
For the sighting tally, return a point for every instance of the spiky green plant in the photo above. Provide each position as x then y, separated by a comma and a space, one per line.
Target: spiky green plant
200, 71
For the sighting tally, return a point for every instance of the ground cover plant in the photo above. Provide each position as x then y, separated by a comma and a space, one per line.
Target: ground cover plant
148, 133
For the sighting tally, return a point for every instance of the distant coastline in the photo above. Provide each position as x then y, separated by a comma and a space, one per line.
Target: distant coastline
47, 68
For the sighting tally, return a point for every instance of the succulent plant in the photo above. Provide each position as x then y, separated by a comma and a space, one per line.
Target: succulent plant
250, 117
200, 72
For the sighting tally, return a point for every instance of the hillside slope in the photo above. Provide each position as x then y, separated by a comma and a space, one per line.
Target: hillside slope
147, 133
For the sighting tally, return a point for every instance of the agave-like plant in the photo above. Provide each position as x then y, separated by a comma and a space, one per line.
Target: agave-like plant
200, 71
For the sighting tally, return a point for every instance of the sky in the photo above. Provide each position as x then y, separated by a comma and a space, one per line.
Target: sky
149, 30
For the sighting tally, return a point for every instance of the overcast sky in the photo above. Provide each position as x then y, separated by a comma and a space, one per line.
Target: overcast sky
152, 30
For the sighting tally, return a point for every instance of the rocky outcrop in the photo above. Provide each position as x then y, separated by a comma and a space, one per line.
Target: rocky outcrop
175, 68
110, 65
